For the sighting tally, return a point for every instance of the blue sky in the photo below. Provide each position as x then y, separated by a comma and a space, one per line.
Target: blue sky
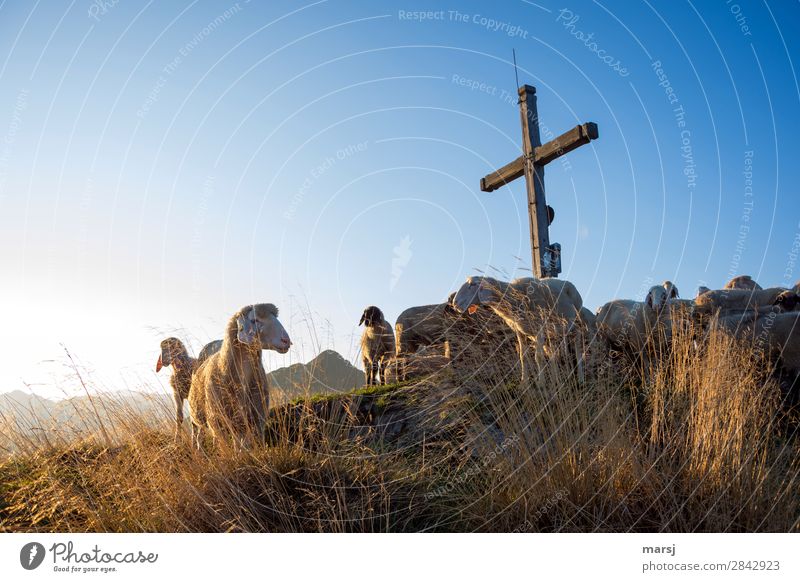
163, 164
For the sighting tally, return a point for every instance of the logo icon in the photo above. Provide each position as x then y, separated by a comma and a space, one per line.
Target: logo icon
402, 255
31, 555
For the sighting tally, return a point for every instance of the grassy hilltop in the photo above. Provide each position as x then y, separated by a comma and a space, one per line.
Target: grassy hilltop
700, 442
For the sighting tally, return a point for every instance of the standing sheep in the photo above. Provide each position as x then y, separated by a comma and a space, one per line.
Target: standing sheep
527, 305
173, 353
230, 392
629, 325
420, 326
377, 345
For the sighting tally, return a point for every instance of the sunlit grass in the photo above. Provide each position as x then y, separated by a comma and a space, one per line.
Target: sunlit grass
696, 441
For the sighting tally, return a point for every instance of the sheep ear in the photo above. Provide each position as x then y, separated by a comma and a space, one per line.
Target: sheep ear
363, 315
649, 300
247, 329
673, 293
165, 357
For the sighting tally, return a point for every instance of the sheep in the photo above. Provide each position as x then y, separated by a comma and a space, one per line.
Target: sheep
377, 345
677, 307
208, 349
589, 321
476, 337
742, 282
229, 396
726, 301
773, 333
671, 289
417, 327
781, 332
173, 353
521, 304
628, 325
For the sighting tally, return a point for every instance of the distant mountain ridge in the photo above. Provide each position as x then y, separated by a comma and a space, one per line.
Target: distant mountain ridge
328, 372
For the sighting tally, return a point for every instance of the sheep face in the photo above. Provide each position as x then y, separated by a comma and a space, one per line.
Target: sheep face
260, 329
788, 301
371, 317
170, 348
671, 289
656, 298
449, 306
476, 291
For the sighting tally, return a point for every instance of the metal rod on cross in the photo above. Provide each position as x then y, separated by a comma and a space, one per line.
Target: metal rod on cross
535, 155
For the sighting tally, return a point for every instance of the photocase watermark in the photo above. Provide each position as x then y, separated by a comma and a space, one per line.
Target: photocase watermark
687, 150
543, 510
643, 321
747, 210
476, 469
791, 259
170, 68
100, 8
31, 555
69, 560
318, 171
401, 255
741, 19
568, 20
509, 98
487, 22
20, 105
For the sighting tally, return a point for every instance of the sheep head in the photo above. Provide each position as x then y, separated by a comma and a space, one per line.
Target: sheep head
787, 301
656, 298
671, 289
258, 327
474, 292
371, 317
171, 348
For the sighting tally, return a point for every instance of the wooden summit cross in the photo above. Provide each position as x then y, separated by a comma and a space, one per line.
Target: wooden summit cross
546, 257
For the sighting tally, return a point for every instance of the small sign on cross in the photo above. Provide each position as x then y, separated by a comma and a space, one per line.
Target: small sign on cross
535, 155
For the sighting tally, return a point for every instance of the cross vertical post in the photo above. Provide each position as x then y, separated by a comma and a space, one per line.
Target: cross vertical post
543, 265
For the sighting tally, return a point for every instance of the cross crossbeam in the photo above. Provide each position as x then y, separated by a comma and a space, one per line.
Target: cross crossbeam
564, 143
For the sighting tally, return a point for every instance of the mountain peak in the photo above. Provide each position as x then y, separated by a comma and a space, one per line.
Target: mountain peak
327, 372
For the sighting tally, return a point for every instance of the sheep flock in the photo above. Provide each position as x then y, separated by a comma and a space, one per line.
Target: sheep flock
544, 319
